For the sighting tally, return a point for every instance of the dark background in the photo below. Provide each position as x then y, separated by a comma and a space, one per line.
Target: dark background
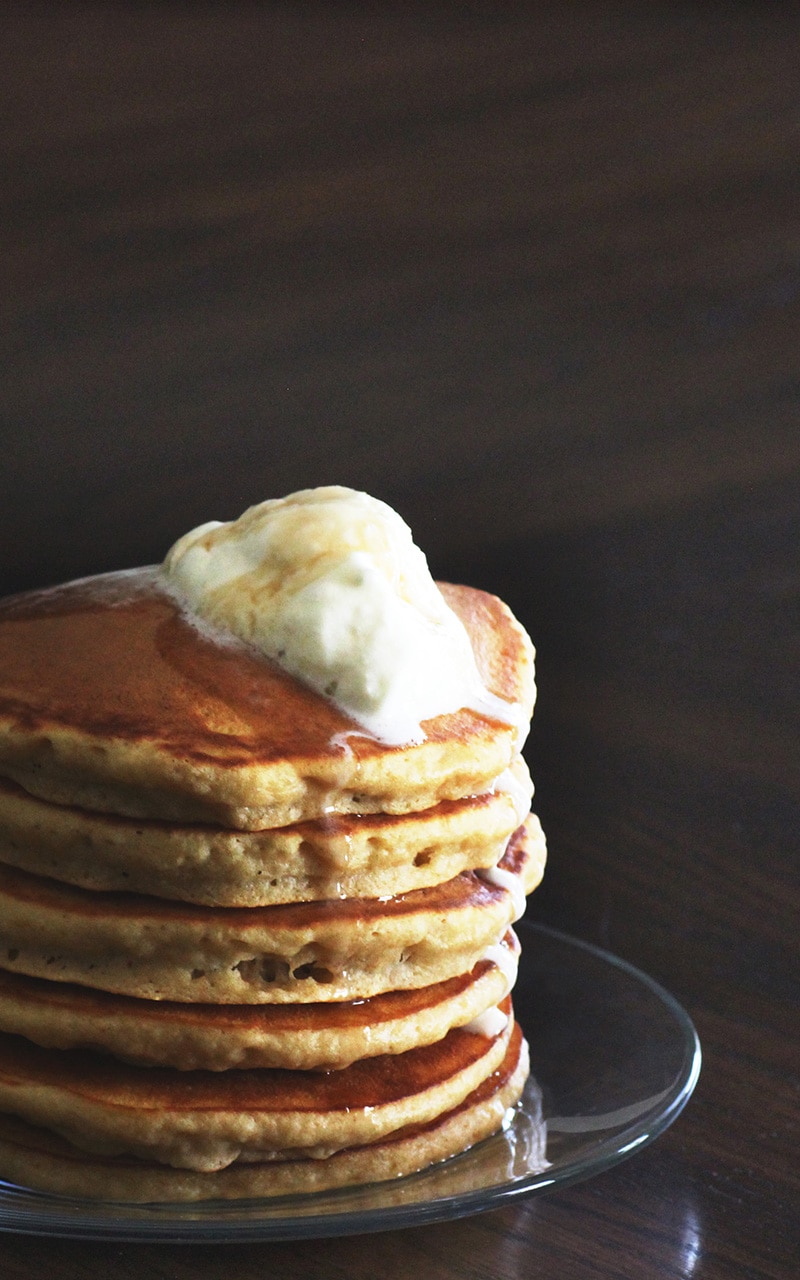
530, 273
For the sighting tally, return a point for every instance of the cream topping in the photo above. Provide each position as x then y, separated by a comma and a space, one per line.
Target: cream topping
511, 882
519, 788
329, 584
506, 961
489, 1023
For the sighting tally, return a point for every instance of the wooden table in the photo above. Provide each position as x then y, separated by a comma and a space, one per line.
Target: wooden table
532, 274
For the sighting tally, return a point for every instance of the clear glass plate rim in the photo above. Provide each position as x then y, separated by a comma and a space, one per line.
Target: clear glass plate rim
44, 1215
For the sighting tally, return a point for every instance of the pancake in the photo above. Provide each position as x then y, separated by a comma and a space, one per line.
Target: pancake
344, 856
247, 948
111, 700
207, 1120
40, 1159
343, 949
221, 1037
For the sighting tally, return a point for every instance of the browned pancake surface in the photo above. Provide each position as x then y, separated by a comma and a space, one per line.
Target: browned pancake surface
219, 1037
319, 951
367, 1083
105, 687
35, 1157
341, 855
207, 1120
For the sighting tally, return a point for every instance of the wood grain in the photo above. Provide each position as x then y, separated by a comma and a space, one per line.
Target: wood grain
532, 274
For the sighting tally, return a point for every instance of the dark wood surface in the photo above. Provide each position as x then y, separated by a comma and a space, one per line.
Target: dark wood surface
532, 274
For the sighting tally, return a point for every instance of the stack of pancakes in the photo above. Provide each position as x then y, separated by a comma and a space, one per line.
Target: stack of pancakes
245, 948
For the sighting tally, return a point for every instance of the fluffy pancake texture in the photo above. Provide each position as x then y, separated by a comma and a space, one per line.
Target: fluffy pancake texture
207, 1120
343, 949
40, 1157
217, 1037
247, 949
339, 856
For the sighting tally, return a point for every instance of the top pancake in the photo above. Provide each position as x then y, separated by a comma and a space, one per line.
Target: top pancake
111, 699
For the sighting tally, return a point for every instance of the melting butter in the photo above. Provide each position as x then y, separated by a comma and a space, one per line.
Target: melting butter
492, 1022
329, 584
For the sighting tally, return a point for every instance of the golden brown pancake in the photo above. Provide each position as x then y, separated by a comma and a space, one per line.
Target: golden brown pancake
110, 699
342, 856
206, 1120
220, 1037
40, 1159
343, 949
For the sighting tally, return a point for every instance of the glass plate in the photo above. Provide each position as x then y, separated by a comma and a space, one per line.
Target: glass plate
614, 1060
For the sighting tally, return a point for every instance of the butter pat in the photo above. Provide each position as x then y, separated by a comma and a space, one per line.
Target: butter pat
329, 584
